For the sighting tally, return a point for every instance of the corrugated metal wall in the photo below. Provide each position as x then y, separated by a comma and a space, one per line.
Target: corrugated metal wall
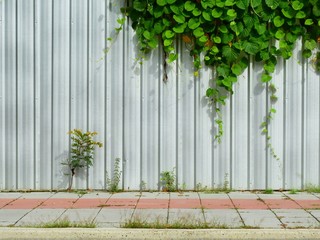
55, 77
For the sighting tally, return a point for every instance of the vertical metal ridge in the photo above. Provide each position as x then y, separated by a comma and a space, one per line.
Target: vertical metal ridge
34, 98
141, 125
303, 122
285, 124
52, 90
17, 103
159, 115
105, 95
125, 47
249, 126
231, 142
268, 126
177, 116
70, 77
88, 78
195, 110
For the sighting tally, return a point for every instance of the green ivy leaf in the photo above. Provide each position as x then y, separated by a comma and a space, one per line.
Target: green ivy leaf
169, 34
162, 2
189, 6
140, 5
232, 13
198, 32
273, 4
179, 18
300, 15
180, 28
193, 23
206, 15
251, 47
308, 22
278, 21
147, 34
243, 4
310, 44
217, 12
172, 57
265, 78
236, 69
216, 39
280, 34
229, 53
316, 10
255, 3
171, 1
288, 12
167, 42
307, 53
175, 9
297, 5
196, 12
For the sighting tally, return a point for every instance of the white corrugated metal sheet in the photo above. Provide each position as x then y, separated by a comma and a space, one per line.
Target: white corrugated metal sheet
55, 77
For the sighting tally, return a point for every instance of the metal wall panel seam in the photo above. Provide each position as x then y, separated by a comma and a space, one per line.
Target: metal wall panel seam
195, 130
231, 142
249, 124
35, 92
285, 97
2, 100
303, 120
141, 125
177, 47
16, 92
160, 104
268, 165
124, 155
88, 82
52, 92
70, 80
105, 95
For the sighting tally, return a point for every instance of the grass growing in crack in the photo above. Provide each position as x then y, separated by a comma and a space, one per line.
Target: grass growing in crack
182, 223
65, 223
311, 188
293, 191
268, 191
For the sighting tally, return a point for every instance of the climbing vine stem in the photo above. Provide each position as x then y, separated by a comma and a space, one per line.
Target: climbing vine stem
227, 33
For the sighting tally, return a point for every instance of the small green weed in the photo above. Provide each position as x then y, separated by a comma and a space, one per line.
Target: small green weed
113, 183
183, 223
168, 179
268, 191
66, 223
293, 191
311, 188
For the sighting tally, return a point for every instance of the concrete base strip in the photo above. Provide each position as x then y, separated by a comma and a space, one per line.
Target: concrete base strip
105, 233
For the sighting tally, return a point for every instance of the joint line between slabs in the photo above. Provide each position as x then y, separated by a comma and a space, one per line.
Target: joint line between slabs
236, 209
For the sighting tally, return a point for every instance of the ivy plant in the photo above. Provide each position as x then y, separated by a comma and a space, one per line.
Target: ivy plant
226, 34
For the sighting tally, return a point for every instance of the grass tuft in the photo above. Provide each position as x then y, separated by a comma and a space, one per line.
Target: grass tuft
268, 191
182, 223
66, 223
311, 188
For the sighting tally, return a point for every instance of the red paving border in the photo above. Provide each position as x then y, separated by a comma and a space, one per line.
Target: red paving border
114, 203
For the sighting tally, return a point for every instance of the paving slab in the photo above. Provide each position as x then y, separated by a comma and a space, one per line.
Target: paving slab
155, 195
66, 195
302, 196
151, 215
184, 195
260, 218
11, 216
40, 216
92, 195
275, 195
124, 195
204, 195
242, 195
315, 213
281, 204
37, 195
121, 203
80, 215
249, 204
185, 203
12, 195
24, 204
185, 216
217, 203
153, 203
90, 203
55, 203
227, 217
5, 201
114, 215
308, 204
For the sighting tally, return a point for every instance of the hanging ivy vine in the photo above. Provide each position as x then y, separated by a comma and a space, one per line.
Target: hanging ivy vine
226, 34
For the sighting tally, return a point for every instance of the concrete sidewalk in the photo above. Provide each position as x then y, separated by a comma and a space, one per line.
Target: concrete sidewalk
279, 210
